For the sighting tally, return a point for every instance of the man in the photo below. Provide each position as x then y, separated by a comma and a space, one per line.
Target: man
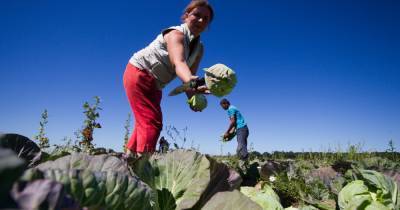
242, 132
164, 145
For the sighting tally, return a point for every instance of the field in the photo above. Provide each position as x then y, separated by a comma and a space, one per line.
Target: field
77, 177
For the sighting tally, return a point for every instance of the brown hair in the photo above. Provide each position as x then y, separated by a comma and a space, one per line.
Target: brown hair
198, 3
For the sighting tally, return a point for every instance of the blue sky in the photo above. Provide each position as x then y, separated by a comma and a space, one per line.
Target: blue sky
312, 75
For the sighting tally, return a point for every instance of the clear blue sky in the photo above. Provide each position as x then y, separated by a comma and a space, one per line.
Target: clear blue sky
312, 74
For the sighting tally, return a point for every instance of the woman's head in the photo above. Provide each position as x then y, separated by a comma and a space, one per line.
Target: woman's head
198, 15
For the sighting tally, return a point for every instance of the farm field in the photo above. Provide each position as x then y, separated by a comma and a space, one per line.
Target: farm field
68, 177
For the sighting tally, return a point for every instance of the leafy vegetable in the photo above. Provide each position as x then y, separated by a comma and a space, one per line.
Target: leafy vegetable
11, 168
231, 200
198, 101
112, 190
372, 191
42, 194
220, 79
22, 146
265, 197
185, 179
100, 180
83, 161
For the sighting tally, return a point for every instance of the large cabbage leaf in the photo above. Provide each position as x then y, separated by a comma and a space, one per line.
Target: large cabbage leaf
103, 189
100, 180
265, 197
42, 194
352, 191
89, 162
231, 200
185, 179
386, 188
11, 168
22, 146
373, 190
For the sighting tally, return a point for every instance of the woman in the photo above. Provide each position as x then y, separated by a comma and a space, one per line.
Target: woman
177, 51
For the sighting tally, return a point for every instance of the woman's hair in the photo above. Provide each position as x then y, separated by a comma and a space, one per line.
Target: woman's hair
198, 3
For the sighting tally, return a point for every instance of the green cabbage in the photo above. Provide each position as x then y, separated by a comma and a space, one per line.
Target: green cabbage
185, 179
198, 102
265, 197
99, 181
220, 79
373, 190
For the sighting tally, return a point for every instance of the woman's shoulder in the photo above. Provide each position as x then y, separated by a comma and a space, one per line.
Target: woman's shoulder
180, 28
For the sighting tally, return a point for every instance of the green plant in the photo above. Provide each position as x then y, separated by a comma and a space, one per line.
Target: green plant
288, 189
176, 134
263, 195
198, 101
391, 149
371, 190
99, 181
41, 137
127, 131
220, 79
91, 113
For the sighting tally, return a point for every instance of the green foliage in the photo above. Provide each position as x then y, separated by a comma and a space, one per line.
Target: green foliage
99, 181
22, 146
263, 195
231, 200
90, 123
11, 168
220, 79
41, 137
127, 131
288, 189
185, 179
370, 190
198, 102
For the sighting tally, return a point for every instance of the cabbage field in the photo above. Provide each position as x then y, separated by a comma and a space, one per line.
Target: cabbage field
69, 178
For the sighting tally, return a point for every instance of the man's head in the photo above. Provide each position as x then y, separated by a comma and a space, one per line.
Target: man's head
225, 103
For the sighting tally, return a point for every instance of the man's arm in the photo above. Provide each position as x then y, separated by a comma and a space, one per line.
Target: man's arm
231, 125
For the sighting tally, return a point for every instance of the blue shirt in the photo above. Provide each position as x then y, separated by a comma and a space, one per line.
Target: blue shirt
232, 111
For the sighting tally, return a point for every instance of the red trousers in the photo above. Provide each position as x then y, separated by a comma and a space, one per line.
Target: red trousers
145, 99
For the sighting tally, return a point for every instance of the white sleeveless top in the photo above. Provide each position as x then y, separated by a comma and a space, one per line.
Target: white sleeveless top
155, 59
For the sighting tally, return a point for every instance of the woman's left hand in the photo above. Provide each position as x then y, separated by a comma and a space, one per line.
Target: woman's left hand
202, 90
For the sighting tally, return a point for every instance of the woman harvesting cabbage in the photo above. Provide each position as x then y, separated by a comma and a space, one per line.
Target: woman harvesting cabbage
177, 51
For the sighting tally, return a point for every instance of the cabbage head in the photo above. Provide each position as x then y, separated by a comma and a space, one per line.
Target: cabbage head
220, 79
198, 101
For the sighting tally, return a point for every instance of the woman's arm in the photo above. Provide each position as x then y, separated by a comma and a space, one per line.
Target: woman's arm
174, 40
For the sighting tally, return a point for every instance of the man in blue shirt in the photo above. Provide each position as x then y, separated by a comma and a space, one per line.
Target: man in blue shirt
237, 122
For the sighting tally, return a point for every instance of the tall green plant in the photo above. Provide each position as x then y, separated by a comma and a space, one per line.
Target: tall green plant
90, 123
127, 131
391, 149
41, 137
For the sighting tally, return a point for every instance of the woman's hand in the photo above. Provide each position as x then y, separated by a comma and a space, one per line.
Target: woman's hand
203, 90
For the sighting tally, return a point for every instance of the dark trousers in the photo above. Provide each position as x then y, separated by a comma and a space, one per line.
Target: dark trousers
242, 134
